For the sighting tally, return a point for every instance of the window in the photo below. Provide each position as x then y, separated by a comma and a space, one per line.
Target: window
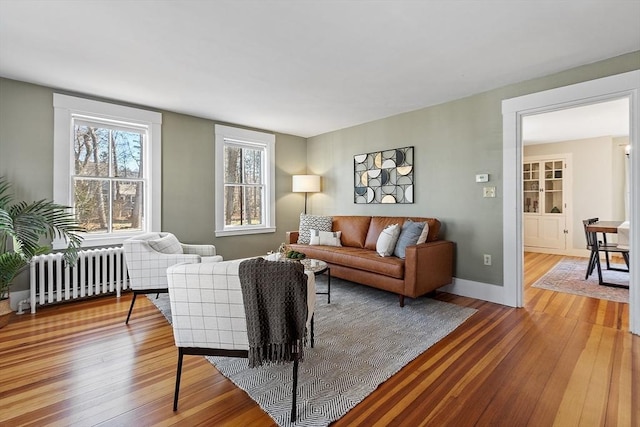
245, 181
107, 167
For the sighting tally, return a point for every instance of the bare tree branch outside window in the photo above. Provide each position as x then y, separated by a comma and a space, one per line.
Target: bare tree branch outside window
108, 184
244, 185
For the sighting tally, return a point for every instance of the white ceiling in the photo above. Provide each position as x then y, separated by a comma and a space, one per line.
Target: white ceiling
304, 67
609, 118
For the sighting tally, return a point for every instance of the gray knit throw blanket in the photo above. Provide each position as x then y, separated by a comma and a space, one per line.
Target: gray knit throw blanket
275, 304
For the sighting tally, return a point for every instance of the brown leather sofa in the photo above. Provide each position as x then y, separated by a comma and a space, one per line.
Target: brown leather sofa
427, 266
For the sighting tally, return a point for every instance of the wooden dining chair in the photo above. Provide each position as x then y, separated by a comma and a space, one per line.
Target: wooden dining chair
596, 246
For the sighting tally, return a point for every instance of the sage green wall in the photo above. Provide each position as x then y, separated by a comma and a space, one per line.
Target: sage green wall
188, 187
26, 158
453, 142
26, 138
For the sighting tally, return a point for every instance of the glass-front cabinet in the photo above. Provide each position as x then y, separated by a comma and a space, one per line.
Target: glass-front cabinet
543, 202
542, 185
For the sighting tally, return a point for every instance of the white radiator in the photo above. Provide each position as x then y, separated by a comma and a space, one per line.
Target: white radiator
96, 272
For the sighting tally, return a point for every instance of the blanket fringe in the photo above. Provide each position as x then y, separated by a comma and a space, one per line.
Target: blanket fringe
276, 353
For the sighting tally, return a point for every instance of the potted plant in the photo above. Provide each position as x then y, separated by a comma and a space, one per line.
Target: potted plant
24, 224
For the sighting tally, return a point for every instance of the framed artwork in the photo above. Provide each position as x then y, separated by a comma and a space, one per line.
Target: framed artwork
384, 176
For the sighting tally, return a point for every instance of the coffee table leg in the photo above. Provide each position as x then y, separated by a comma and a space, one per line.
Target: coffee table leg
312, 317
328, 286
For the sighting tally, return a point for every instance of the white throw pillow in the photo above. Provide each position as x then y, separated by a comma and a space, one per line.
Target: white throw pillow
387, 240
320, 223
168, 244
424, 234
327, 238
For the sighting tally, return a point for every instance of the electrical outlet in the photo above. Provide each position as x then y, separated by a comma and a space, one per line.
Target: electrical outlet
487, 259
489, 191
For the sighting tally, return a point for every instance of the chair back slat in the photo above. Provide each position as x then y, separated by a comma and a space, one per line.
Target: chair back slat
590, 237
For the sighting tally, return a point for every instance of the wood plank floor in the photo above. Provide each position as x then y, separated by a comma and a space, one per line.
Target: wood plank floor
562, 360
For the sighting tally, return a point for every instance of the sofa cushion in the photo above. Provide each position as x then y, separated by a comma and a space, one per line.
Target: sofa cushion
358, 258
354, 229
168, 244
379, 223
320, 223
387, 240
409, 236
329, 238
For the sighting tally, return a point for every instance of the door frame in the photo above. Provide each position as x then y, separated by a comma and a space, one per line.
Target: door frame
590, 92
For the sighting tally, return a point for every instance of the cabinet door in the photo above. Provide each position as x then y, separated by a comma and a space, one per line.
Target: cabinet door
531, 187
545, 231
553, 201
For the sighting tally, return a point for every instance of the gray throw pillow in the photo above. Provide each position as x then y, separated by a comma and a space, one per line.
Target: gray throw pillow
307, 222
408, 237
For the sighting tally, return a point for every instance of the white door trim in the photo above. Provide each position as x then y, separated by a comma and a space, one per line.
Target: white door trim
607, 88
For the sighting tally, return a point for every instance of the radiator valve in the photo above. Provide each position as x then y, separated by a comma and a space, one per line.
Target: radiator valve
20, 304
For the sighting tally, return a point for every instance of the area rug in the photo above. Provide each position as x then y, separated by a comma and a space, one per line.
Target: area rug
361, 339
568, 276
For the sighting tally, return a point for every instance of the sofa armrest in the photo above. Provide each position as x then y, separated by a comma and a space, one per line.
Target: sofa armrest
427, 267
291, 237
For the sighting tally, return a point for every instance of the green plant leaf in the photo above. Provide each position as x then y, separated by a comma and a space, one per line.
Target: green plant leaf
11, 264
25, 224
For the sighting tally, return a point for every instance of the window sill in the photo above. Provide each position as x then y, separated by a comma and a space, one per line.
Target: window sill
242, 232
91, 241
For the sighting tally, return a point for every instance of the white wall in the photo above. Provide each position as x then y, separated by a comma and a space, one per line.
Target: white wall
597, 180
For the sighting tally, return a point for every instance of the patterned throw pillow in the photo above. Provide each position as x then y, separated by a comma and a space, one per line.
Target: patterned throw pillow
168, 244
320, 223
424, 235
327, 238
387, 240
408, 237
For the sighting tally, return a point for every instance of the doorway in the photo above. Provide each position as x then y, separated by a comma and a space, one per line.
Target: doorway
608, 88
568, 191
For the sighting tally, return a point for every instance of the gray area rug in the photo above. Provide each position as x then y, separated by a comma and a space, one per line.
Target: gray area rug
361, 339
568, 276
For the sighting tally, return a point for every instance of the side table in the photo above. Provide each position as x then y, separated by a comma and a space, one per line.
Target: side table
318, 267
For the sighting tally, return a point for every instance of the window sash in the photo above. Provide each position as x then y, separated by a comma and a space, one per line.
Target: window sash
245, 140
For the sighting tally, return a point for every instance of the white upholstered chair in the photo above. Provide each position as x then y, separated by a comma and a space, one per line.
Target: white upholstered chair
148, 256
208, 314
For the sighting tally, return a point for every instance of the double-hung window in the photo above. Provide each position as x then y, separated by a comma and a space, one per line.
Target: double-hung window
245, 175
104, 167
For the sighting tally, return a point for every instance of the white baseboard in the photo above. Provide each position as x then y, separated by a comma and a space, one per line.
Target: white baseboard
478, 290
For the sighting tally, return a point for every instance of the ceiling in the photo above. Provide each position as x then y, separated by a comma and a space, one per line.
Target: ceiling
610, 118
304, 67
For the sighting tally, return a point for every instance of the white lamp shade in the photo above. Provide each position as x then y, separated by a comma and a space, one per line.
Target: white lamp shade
306, 183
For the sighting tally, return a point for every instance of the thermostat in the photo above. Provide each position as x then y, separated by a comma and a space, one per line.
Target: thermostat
482, 177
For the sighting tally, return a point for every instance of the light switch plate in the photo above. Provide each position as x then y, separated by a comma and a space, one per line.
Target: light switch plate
482, 177
489, 192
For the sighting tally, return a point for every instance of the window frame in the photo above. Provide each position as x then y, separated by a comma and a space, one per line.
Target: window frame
66, 110
249, 139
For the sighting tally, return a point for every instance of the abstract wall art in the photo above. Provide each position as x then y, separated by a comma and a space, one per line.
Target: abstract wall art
384, 176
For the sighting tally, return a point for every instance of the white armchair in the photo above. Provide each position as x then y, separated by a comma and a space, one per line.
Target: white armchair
148, 256
208, 313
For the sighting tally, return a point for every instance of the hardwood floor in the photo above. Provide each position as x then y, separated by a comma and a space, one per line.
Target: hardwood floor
562, 360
